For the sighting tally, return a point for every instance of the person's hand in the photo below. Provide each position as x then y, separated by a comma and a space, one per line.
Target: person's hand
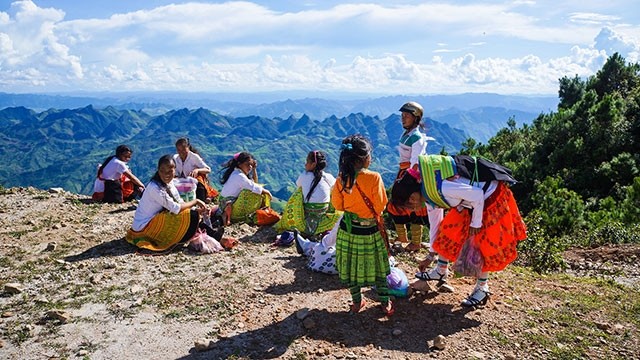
473, 230
194, 173
201, 207
268, 193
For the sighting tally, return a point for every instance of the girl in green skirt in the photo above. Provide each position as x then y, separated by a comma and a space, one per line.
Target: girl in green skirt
362, 258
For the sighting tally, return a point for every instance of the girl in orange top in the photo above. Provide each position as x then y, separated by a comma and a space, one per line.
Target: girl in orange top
362, 258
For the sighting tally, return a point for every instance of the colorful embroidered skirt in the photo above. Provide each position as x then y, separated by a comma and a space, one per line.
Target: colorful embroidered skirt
163, 231
244, 206
502, 228
361, 255
308, 218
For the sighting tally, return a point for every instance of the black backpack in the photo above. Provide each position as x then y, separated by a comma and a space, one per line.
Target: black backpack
479, 169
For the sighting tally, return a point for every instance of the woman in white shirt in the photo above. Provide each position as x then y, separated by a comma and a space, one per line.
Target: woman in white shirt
309, 208
190, 164
162, 218
120, 184
240, 195
482, 210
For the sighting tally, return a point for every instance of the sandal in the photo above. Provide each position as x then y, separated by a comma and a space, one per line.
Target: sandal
432, 275
355, 308
388, 308
477, 297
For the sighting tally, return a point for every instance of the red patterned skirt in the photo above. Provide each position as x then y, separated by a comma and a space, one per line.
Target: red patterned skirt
502, 228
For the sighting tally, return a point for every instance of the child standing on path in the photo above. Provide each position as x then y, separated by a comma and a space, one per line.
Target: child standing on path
362, 258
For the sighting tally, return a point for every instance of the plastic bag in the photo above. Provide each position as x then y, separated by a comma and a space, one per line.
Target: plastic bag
398, 283
201, 242
470, 260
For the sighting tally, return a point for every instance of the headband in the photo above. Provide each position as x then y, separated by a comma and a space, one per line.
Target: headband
236, 156
414, 173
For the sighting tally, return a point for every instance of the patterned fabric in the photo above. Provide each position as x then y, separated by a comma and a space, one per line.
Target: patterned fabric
502, 228
434, 169
162, 232
361, 259
204, 180
245, 205
308, 218
322, 259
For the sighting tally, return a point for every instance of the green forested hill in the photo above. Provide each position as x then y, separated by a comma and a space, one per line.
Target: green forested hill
63, 147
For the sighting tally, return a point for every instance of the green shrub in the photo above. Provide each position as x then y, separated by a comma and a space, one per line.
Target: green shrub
614, 233
539, 251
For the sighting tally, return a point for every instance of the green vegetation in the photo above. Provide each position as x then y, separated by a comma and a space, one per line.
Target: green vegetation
579, 167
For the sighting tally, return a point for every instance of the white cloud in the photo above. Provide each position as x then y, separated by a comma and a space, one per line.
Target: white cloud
360, 47
610, 42
592, 18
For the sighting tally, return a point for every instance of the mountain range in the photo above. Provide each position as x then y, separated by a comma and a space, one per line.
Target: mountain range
61, 147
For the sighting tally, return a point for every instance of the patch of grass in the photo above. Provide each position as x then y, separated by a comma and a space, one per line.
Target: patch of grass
502, 339
17, 234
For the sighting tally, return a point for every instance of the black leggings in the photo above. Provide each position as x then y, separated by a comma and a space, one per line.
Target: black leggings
193, 225
201, 192
112, 192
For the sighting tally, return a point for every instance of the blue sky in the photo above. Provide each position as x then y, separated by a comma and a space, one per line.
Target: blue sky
374, 47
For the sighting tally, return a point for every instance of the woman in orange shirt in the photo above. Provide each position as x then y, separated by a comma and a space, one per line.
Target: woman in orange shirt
362, 257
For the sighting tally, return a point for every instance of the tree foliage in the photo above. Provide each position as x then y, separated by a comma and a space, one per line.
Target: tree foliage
579, 167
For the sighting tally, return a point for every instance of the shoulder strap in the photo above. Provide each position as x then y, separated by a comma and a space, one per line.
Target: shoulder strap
379, 221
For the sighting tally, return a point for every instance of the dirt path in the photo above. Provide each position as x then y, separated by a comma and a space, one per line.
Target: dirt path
82, 292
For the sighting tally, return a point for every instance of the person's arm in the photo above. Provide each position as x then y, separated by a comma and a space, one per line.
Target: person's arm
200, 167
457, 193
336, 197
379, 196
201, 207
418, 148
133, 178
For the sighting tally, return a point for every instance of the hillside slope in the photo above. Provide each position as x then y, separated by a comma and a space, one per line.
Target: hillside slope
80, 291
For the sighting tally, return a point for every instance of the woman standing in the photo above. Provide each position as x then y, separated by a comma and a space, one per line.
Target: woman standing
362, 257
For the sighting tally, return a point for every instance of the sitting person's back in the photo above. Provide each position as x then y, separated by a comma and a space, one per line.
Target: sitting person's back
309, 208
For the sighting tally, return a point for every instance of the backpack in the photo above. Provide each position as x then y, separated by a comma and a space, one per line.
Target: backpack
483, 170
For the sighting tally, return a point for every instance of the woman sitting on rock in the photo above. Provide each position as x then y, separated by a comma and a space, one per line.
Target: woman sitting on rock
162, 218
309, 209
241, 196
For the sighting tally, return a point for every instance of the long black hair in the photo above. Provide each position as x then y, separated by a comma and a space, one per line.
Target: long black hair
120, 150
354, 152
229, 166
165, 159
403, 188
320, 159
185, 141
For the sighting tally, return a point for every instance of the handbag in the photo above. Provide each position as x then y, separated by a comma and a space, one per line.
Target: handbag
379, 222
266, 216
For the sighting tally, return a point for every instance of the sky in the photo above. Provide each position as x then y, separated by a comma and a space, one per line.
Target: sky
375, 47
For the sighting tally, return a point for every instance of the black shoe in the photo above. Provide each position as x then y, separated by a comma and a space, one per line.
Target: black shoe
477, 297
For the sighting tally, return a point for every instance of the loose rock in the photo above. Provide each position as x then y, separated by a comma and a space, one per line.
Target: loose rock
440, 342
13, 288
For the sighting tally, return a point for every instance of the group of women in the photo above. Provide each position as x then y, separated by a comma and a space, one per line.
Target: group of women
480, 210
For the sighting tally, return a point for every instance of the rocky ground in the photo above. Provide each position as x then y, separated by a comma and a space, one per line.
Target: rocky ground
73, 288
